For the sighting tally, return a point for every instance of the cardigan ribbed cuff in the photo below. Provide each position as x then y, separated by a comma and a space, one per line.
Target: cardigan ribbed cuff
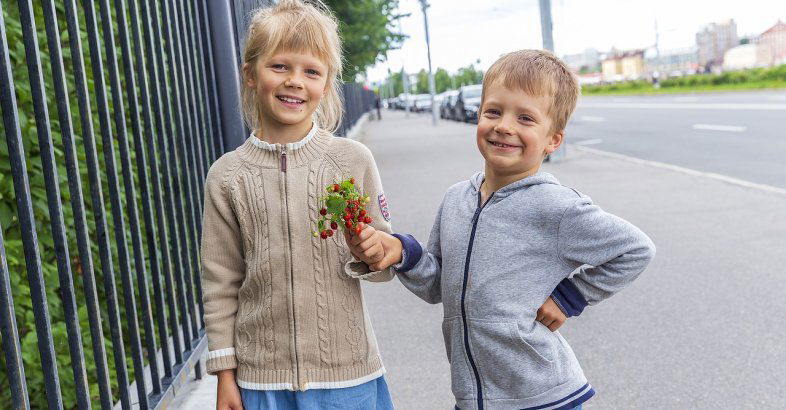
221, 361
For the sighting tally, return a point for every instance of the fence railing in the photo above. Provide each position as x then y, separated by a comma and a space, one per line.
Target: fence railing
155, 111
138, 123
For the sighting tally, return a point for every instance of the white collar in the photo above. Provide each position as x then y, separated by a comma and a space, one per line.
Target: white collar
289, 146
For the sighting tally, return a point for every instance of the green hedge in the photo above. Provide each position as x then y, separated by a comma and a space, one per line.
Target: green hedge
755, 78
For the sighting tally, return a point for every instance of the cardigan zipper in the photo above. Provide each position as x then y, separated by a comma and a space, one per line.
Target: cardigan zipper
475, 219
291, 268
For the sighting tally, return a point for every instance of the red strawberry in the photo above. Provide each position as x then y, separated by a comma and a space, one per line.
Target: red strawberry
347, 217
348, 224
333, 225
330, 233
323, 211
323, 234
336, 188
367, 219
358, 230
362, 213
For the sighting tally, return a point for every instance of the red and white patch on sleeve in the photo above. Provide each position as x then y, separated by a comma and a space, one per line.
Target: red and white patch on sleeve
383, 206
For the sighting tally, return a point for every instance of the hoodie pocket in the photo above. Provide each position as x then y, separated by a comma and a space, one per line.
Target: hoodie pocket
511, 364
462, 380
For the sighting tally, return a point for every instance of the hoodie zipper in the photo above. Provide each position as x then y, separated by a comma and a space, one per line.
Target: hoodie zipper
463, 298
283, 166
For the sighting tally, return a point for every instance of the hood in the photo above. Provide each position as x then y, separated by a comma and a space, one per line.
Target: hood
536, 179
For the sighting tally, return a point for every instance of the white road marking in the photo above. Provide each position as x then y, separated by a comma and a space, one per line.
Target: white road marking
713, 127
778, 98
662, 165
686, 106
589, 142
686, 99
589, 118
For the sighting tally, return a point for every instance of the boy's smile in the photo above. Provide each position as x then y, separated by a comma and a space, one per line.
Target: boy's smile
514, 133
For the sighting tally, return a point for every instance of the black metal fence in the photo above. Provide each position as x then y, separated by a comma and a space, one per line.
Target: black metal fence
155, 112
139, 122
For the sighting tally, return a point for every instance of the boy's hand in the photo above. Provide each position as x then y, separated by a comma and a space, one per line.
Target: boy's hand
393, 252
228, 393
551, 315
366, 246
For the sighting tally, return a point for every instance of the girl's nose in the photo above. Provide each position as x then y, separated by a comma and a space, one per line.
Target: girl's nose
293, 82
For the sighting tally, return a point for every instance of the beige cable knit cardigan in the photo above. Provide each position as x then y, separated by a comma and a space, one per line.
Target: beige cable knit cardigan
280, 306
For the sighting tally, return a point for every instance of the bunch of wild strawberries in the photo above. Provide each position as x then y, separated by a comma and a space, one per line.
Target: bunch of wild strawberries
343, 209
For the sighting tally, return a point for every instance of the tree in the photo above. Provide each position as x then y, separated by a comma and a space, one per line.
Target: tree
366, 28
442, 80
421, 86
468, 75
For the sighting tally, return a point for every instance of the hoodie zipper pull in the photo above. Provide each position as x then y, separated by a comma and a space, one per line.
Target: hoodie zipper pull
284, 160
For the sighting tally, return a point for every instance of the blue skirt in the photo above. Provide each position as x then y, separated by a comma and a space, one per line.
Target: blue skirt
372, 395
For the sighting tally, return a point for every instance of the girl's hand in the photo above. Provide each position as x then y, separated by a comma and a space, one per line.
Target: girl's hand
228, 393
551, 315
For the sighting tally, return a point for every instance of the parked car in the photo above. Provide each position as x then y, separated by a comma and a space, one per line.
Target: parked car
421, 103
467, 103
446, 107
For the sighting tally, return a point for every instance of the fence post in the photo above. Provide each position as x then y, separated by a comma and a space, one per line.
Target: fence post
225, 62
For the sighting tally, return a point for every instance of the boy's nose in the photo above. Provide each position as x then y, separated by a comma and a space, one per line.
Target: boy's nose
502, 128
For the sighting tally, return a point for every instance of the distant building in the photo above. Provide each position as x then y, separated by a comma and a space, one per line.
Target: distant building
713, 41
586, 62
633, 65
611, 68
747, 56
774, 40
673, 63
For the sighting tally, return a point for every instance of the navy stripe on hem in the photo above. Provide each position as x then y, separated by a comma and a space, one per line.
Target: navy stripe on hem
568, 298
578, 401
412, 252
584, 397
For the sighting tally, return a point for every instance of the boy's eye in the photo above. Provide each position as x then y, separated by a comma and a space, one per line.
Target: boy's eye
278, 66
526, 118
492, 112
311, 71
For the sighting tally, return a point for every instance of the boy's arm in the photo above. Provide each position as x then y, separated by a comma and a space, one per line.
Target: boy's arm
223, 271
421, 268
615, 250
378, 210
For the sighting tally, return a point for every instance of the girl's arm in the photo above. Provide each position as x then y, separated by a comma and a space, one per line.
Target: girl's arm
377, 209
223, 270
610, 251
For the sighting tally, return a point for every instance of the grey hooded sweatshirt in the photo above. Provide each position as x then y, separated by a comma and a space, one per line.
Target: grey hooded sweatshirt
493, 266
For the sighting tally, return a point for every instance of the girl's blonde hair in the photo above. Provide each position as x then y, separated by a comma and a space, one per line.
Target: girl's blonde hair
301, 27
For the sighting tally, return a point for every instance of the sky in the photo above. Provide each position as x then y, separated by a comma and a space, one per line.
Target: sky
464, 31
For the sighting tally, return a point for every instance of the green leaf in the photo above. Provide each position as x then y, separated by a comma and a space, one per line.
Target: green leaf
335, 205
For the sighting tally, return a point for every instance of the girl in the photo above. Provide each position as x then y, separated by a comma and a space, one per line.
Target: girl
286, 325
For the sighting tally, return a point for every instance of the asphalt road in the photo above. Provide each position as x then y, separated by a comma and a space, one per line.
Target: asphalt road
702, 327
738, 134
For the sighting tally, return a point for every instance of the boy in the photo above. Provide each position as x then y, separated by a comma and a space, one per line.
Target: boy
508, 238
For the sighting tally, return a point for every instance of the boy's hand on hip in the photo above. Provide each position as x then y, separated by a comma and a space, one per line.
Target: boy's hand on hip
228, 392
551, 315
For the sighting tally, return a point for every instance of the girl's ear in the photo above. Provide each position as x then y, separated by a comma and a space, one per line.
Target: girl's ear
248, 77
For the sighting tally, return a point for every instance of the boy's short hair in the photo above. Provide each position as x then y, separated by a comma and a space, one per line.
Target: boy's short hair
539, 73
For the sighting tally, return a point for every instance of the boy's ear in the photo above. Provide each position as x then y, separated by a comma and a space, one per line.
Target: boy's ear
249, 79
555, 141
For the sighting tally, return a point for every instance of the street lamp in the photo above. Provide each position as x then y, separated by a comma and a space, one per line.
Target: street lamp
432, 88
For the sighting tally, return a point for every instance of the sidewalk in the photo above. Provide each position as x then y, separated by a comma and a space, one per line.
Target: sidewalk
696, 330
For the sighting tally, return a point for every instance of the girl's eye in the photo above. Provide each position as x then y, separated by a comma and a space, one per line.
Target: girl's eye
278, 67
526, 118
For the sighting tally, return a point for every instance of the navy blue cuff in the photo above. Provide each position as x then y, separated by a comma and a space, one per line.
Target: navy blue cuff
412, 252
569, 298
